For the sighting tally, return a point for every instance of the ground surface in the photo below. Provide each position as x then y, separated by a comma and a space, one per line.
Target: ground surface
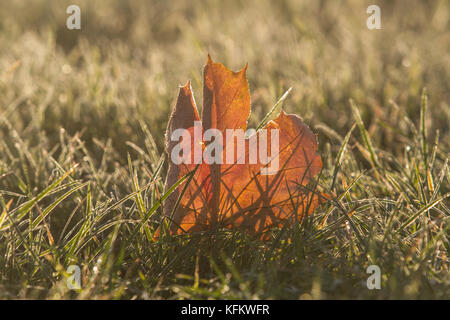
100, 98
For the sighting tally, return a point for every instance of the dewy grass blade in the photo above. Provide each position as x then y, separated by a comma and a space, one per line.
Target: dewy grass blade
158, 203
138, 197
52, 206
422, 210
5, 212
364, 134
340, 156
423, 129
191, 175
273, 109
27, 206
349, 187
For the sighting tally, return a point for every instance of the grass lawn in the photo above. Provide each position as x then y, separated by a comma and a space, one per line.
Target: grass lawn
82, 161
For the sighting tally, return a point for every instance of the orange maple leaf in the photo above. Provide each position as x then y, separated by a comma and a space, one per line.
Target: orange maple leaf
237, 194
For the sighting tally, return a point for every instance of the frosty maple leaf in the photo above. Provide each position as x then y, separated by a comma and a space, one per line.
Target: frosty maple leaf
237, 195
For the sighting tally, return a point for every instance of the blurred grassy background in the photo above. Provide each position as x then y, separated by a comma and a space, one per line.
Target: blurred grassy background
127, 60
84, 96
